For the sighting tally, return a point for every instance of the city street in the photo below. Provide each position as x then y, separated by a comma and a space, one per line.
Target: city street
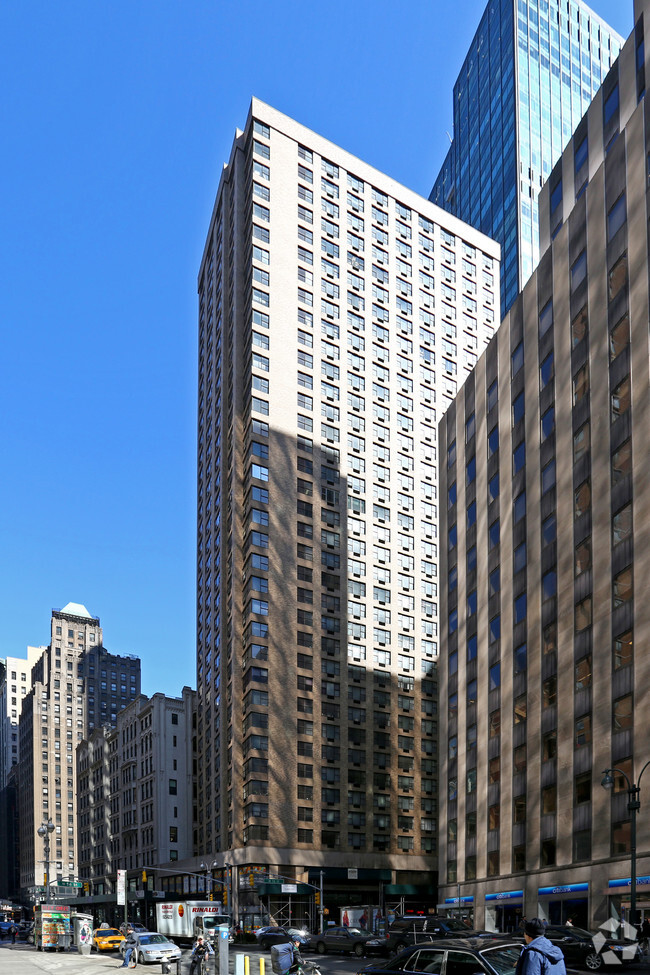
21, 959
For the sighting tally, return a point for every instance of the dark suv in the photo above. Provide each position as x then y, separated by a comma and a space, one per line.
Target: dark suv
407, 931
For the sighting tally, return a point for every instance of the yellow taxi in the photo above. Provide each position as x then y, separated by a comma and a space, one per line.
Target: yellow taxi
107, 939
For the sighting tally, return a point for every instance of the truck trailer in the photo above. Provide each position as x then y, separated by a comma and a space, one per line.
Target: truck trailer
184, 921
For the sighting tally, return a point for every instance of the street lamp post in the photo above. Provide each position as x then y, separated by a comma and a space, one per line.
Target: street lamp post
633, 806
208, 874
44, 831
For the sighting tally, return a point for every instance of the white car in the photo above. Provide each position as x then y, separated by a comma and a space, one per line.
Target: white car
152, 947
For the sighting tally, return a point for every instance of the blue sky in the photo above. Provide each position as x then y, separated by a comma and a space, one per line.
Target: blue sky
116, 120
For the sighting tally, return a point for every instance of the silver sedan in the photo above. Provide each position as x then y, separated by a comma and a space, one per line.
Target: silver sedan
152, 947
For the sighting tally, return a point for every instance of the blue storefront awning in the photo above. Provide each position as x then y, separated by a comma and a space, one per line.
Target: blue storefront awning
506, 895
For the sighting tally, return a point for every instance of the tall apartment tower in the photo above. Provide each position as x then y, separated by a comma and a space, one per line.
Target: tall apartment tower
529, 75
338, 311
76, 684
545, 502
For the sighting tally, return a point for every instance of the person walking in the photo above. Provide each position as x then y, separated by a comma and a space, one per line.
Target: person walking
13, 931
539, 956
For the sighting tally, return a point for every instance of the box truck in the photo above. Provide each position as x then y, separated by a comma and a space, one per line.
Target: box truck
183, 921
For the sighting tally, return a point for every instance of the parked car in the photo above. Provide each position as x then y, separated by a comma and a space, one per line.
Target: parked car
405, 931
106, 939
456, 956
26, 931
135, 925
278, 936
351, 940
152, 946
578, 947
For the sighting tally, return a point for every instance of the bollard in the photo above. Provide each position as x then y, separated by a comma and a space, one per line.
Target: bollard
262, 966
247, 965
239, 964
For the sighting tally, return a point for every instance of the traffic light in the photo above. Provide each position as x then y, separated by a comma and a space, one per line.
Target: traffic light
144, 876
317, 897
251, 879
225, 896
86, 887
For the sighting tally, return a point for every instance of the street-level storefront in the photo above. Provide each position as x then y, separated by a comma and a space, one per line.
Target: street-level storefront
567, 902
504, 911
451, 907
618, 894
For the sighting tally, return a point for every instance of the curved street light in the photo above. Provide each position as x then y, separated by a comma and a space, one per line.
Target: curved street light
633, 806
45, 830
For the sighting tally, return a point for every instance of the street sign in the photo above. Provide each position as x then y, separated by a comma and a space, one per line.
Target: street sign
289, 888
121, 886
69, 883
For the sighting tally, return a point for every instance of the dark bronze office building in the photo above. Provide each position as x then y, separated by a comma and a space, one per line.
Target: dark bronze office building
545, 544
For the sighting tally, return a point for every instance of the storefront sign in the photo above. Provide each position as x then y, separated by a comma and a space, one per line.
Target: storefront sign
463, 900
506, 895
640, 882
565, 889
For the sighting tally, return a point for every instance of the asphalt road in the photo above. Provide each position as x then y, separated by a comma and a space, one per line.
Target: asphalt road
22, 959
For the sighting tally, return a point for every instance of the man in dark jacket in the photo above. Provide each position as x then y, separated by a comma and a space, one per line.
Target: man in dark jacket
130, 945
539, 956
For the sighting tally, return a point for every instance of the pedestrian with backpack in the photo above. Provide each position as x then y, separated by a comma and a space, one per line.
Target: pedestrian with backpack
286, 958
539, 956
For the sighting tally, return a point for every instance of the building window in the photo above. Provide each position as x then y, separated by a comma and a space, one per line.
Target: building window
622, 588
580, 384
582, 734
617, 277
579, 326
582, 560
622, 524
545, 318
547, 854
173, 787
583, 615
546, 371
619, 337
616, 217
621, 399
610, 105
556, 196
519, 457
622, 714
623, 650
581, 442
582, 673
578, 270
622, 462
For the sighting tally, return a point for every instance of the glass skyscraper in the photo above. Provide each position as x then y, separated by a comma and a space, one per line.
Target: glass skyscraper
531, 71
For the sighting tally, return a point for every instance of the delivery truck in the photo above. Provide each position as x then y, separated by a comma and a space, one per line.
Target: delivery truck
183, 921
